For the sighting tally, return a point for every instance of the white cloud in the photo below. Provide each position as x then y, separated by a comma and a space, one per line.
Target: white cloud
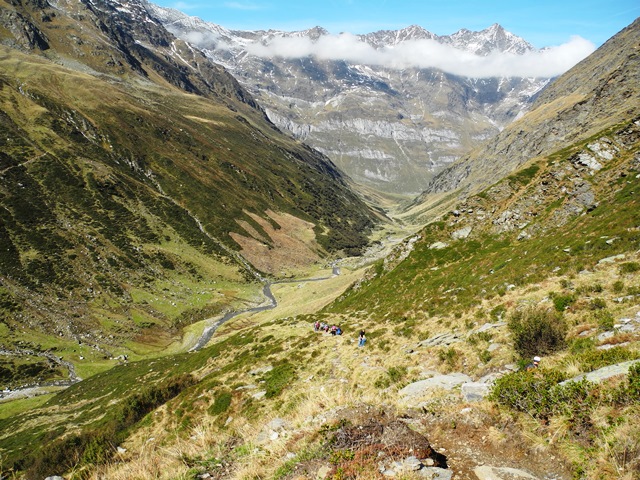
430, 54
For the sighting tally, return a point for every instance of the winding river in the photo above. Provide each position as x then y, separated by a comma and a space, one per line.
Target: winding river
266, 290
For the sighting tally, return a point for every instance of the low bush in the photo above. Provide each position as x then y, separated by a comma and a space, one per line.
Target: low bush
221, 403
593, 359
528, 391
562, 302
629, 267
392, 375
277, 379
540, 394
537, 331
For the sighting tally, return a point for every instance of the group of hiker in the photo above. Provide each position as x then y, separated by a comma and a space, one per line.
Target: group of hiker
325, 327
362, 339
336, 330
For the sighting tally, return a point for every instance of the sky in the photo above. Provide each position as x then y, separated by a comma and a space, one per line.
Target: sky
543, 23
564, 31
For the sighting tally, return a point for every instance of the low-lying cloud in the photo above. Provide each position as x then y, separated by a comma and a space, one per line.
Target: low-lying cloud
544, 63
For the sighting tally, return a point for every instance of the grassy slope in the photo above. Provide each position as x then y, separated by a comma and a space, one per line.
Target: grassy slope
481, 279
102, 184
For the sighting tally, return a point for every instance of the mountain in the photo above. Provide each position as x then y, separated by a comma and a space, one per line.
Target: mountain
596, 94
133, 171
389, 127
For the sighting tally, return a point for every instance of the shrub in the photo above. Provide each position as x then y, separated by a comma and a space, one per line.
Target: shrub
582, 345
485, 356
537, 331
277, 379
448, 356
618, 286
221, 404
498, 312
393, 375
526, 391
598, 304
605, 320
593, 359
629, 267
562, 302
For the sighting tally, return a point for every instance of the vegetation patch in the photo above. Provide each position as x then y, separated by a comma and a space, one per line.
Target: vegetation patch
537, 331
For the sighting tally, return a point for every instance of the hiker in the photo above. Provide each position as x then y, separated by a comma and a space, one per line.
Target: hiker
338, 330
316, 326
534, 364
362, 339
333, 329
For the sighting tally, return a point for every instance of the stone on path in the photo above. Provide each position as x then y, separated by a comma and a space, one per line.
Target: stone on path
502, 473
475, 391
444, 382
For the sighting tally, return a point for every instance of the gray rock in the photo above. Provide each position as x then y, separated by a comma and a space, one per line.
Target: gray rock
444, 382
435, 473
443, 339
608, 346
261, 370
474, 391
605, 335
277, 424
54, 477
488, 326
259, 395
486, 472
604, 372
323, 472
462, 233
612, 259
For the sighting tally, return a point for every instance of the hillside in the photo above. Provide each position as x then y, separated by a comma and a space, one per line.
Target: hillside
133, 174
598, 92
271, 398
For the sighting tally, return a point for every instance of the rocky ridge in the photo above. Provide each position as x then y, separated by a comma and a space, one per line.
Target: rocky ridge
596, 94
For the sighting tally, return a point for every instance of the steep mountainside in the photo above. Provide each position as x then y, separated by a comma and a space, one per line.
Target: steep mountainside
391, 128
132, 170
599, 92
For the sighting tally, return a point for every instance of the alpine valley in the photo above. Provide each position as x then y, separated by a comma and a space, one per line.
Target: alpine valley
389, 128
171, 248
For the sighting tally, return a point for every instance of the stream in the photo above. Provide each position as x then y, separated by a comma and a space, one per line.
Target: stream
209, 331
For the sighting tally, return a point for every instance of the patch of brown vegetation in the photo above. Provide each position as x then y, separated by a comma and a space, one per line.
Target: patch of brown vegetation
291, 247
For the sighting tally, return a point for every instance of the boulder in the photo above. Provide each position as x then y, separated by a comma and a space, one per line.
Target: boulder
444, 382
462, 233
441, 340
475, 391
604, 373
486, 472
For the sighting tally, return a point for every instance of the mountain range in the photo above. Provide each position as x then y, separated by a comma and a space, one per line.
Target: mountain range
388, 127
